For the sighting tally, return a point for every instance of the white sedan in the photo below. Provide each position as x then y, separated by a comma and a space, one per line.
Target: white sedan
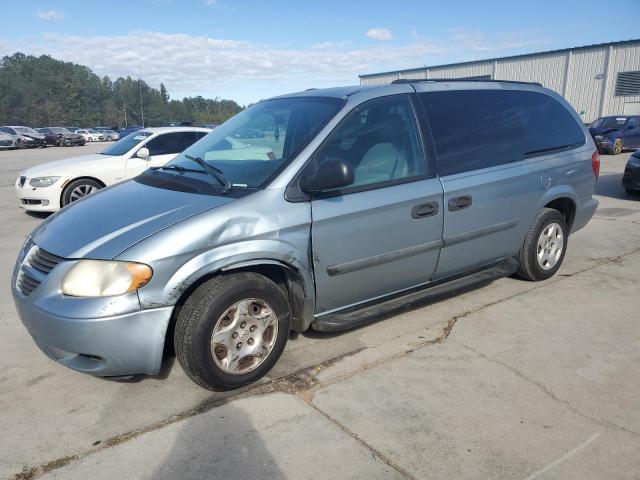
53, 185
90, 135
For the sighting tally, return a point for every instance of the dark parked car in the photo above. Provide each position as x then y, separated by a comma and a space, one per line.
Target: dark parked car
123, 132
614, 134
631, 178
61, 137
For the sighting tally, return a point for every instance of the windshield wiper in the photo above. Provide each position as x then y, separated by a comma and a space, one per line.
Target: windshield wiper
213, 171
177, 168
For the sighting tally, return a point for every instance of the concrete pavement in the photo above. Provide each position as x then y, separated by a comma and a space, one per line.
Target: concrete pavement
513, 380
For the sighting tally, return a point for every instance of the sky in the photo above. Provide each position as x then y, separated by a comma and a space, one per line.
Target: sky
246, 50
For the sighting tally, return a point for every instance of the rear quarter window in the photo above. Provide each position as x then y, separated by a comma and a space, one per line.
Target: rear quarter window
475, 129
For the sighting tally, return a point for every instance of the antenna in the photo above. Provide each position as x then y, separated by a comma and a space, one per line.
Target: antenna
140, 88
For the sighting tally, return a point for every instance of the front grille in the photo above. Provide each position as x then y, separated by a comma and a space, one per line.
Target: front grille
30, 201
41, 261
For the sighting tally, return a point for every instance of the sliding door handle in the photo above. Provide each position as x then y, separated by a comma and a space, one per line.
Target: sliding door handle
459, 203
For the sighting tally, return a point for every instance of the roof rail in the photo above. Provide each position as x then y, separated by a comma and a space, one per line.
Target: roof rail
409, 80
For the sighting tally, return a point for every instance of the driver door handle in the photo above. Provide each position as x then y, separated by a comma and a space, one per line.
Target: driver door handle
424, 210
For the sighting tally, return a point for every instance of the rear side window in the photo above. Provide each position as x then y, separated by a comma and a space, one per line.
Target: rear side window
476, 129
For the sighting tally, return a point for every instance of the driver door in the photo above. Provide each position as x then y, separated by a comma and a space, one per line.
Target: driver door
162, 149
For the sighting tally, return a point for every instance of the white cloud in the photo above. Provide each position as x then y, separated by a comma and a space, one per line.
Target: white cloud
247, 71
50, 15
381, 34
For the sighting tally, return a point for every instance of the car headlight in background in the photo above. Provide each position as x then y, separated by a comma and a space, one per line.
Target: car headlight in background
43, 181
100, 278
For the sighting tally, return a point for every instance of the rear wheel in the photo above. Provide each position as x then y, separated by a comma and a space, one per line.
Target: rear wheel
544, 246
232, 330
617, 146
78, 189
60, 142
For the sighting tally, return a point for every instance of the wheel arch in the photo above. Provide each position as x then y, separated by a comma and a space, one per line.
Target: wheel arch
81, 177
286, 276
563, 199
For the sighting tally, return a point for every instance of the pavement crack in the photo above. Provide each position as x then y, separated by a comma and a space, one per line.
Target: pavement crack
374, 451
546, 390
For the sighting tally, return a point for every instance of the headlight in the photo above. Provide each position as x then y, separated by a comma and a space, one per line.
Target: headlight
43, 181
99, 278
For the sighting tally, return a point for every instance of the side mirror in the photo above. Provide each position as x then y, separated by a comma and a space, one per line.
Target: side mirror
143, 153
331, 174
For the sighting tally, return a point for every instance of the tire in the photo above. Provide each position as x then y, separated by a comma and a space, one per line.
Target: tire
71, 191
530, 267
204, 313
109, 139
617, 146
632, 192
60, 142
19, 144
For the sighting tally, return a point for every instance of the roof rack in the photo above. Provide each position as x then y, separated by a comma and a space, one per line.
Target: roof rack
409, 80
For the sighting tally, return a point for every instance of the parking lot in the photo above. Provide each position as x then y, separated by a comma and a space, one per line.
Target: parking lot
511, 380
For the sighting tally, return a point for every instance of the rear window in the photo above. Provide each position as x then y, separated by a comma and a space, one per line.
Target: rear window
476, 129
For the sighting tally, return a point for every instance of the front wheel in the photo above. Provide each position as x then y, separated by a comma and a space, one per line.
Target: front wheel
232, 330
78, 189
544, 246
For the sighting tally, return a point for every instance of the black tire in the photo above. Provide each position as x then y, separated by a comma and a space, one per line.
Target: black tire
19, 144
109, 139
203, 309
60, 142
528, 267
617, 146
66, 199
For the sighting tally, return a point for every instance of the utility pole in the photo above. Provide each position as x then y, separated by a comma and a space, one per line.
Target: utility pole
124, 109
140, 88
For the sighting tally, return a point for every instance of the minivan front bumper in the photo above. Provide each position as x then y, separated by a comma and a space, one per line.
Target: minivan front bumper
118, 345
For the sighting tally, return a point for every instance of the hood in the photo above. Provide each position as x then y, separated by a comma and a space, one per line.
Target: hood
104, 224
71, 135
37, 136
59, 167
601, 131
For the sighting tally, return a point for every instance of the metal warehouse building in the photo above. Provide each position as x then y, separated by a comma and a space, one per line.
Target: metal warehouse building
597, 80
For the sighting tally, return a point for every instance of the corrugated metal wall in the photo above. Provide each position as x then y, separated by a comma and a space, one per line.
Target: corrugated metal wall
586, 77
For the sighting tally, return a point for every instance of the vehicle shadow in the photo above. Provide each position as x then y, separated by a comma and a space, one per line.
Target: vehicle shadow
610, 185
221, 443
39, 215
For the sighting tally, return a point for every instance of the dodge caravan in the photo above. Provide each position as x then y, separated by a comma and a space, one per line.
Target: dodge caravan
349, 203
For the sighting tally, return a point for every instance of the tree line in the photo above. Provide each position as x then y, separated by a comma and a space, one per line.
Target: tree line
42, 91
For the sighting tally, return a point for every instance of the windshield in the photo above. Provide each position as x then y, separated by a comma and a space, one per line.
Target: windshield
59, 130
255, 144
125, 144
609, 122
25, 130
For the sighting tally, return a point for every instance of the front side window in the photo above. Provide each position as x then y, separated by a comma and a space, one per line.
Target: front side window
609, 122
380, 140
253, 146
125, 144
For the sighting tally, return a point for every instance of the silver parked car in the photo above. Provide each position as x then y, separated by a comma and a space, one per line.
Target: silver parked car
366, 199
24, 137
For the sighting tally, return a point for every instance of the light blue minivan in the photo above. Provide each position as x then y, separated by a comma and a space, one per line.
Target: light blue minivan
321, 209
